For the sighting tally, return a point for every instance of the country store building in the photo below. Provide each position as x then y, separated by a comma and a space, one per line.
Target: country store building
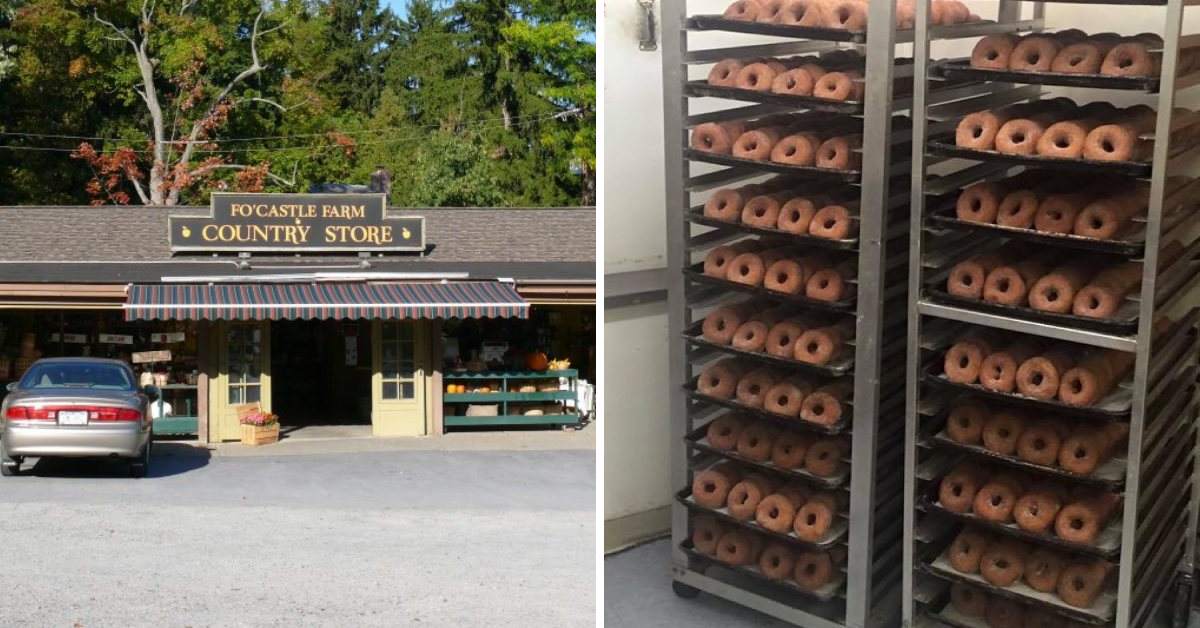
324, 309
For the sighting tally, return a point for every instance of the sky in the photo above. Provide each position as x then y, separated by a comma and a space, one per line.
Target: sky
399, 7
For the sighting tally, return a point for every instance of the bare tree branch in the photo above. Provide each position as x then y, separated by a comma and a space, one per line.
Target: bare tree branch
119, 31
137, 186
203, 170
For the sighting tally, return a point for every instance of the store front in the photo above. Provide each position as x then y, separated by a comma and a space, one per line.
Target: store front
362, 335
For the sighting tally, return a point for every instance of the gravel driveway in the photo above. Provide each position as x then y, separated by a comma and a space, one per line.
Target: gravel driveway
446, 538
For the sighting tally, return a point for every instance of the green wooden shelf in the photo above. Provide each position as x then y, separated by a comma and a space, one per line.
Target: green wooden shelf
558, 395
450, 375
176, 426
511, 419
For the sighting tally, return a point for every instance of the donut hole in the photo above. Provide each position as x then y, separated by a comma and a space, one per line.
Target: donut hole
790, 83
707, 141
754, 390
783, 401
743, 270
976, 204
1074, 61
964, 422
1124, 62
1076, 523
759, 212
997, 373
781, 277
843, 15
1004, 285
1107, 146
1017, 138
710, 487
1038, 445
1062, 142
823, 283
1003, 432
773, 513
1055, 214
1001, 563
721, 204
1075, 386
818, 410
1052, 295
1093, 303
829, 223
1037, 380
810, 569
964, 362
1097, 223
1033, 57
1080, 453
789, 151
811, 519
1078, 583
741, 498
812, 347
774, 561
992, 55
967, 280
751, 145
996, 500
956, 490
977, 132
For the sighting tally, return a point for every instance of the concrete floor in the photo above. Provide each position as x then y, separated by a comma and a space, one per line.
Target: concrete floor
380, 538
637, 594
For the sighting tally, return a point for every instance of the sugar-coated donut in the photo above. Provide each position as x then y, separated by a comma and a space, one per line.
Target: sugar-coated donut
979, 202
1034, 53
1039, 443
720, 379
1008, 284
1080, 583
967, 550
706, 532
762, 211
1017, 209
710, 487
1035, 511
797, 149
826, 405
745, 10
1082, 452
978, 130
726, 204
1130, 58
826, 284
716, 137
796, 215
964, 359
756, 144
1112, 142
724, 72
1064, 139
782, 338
789, 450
993, 52
786, 397
794, 82
999, 369
750, 336
736, 547
1042, 570
720, 325
1019, 137
1004, 613
813, 570
756, 77
775, 513
1040, 376
777, 562
850, 15
840, 153
784, 276
995, 501
812, 520
824, 457
723, 431
833, 222
755, 441
821, 345
958, 489
802, 12
1079, 522
743, 499
747, 268
716, 263
968, 600
965, 422
1002, 563
1083, 57
839, 86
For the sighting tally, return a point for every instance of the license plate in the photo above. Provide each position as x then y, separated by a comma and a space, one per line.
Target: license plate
68, 417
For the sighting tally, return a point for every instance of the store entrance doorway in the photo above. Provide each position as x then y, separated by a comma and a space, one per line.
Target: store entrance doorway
321, 373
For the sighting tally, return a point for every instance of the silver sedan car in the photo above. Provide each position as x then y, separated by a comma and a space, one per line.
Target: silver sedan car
76, 408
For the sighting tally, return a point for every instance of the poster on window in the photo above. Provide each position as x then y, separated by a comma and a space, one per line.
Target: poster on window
351, 350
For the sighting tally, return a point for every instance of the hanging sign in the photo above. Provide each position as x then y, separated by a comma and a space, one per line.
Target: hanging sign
115, 339
76, 339
297, 223
175, 336
146, 357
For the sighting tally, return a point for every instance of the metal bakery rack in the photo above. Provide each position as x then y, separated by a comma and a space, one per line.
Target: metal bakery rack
1151, 540
868, 593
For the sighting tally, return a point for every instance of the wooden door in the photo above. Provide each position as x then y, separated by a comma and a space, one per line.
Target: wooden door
399, 378
244, 374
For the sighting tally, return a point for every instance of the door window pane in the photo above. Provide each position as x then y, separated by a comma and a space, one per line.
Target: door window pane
397, 361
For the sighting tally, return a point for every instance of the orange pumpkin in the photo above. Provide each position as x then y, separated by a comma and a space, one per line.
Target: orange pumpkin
537, 361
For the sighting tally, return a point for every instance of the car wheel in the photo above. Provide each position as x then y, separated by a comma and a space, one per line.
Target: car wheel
9, 467
139, 467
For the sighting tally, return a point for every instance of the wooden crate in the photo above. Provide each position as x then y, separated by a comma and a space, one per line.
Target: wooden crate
256, 435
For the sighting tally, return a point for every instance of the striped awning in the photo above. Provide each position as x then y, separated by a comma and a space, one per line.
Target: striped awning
289, 301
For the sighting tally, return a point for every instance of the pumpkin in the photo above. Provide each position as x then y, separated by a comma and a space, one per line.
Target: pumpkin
537, 361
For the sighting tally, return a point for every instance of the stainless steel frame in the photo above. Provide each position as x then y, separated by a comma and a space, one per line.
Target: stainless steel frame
1149, 553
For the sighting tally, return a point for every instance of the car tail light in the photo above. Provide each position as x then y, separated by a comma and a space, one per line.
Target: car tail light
26, 413
95, 413
114, 414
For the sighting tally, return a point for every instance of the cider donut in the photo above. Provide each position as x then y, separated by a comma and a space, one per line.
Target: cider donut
1017, 209
777, 562
1104, 294
965, 421
750, 336
833, 222
786, 398
1034, 512
1082, 452
1093, 377
968, 600
1057, 212
1104, 218
826, 284
1080, 583
999, 369
789, 450
716, 137
1055, 291
978, 130
756, 144
796, 215
967, 277
1034, 53
812, 521
736, 547
848, 15
753, 386
747, 269
839, 153
775, 513
967, 550
706, 531
794, 82
1009, 284
821, 345
726, 204
958, 489
785, 276
802, 12
813, 570
824, 457
762, 211
1082, 521
716, 263
995, 502
839, 86
1005, 613
721, 324
1039, 377
1065, 139
1130, 58
1003, 563
710, 487
797, 149
724, 72
720, 379
744, 498
1020, 136
979, 202
1039, 443
964, 359
825, 405
755, 77
782, 338
993, 52
1083, 57
1113, 142
1043, 569
769, 11
723, 431
744, 10
1002, 431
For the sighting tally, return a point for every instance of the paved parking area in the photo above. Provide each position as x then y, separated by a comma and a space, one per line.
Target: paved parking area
420, 538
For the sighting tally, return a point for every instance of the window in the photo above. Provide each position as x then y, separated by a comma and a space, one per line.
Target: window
77, 374
398, 368
245, 364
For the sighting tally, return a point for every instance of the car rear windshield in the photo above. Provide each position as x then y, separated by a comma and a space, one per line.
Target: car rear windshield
77, 375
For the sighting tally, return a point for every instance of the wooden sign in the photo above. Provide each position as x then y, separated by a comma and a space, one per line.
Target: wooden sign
176, 336
115, 339
297, 222
76, 339
145, 357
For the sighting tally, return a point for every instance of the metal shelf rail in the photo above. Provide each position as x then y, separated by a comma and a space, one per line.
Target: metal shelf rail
1156, 477
872, 541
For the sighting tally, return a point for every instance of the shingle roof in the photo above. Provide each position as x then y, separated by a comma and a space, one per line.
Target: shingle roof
561, 241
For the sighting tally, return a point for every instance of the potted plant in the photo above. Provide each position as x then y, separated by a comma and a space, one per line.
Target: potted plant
259, 428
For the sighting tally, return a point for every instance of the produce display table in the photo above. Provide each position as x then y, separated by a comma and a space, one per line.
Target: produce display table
507, 394
184, 402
